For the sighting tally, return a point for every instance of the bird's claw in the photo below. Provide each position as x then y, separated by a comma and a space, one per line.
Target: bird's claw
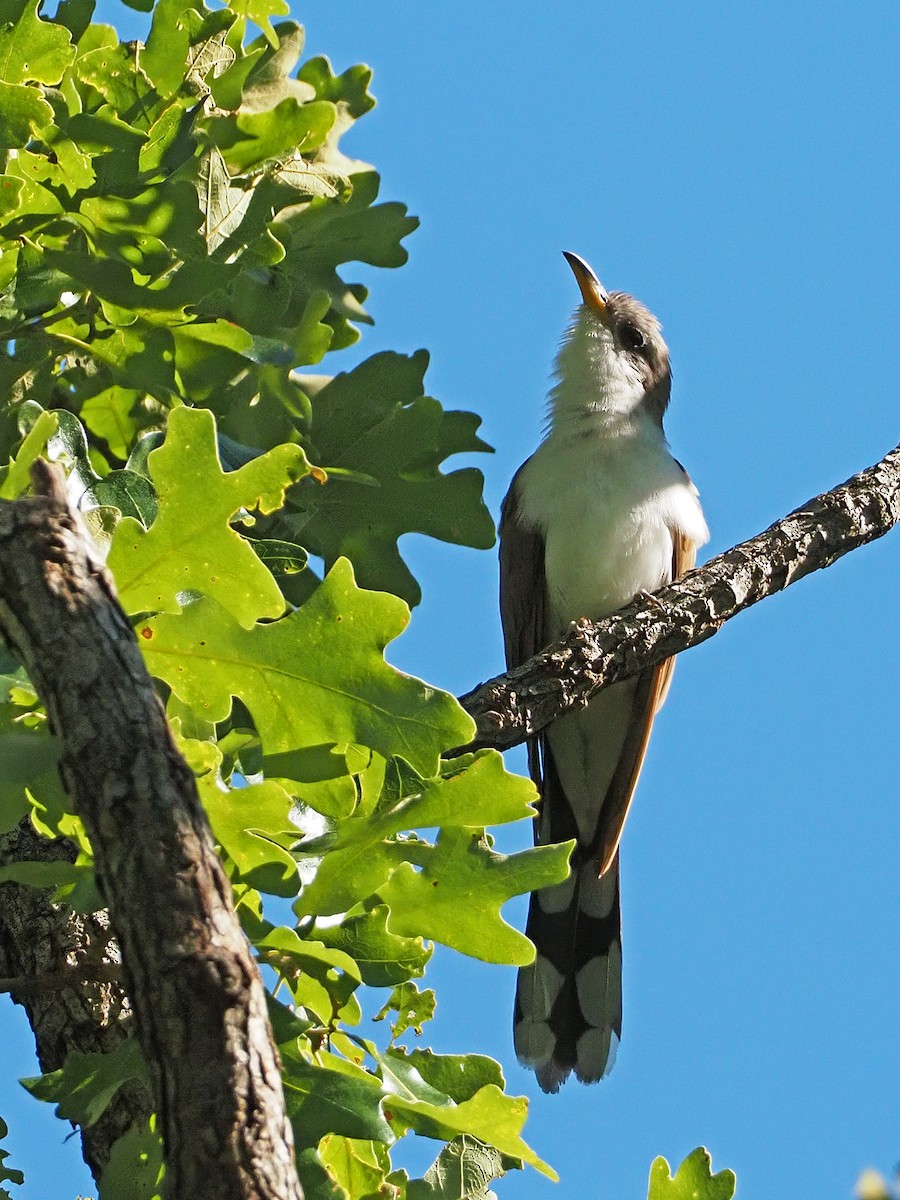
643, 594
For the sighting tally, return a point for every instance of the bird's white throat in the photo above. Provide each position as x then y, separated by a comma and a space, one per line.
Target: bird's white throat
597, 387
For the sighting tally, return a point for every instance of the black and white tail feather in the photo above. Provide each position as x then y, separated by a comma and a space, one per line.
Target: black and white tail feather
568, 1009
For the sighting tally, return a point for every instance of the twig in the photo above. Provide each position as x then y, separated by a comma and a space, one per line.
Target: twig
78, 977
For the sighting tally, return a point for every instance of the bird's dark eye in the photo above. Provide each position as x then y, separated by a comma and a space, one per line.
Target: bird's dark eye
631, 337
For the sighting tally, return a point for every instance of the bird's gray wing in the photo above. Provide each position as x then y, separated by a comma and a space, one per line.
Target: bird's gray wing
523, 594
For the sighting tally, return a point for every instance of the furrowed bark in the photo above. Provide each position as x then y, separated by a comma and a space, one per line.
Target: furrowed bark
519, 704
44, 943
199, 1003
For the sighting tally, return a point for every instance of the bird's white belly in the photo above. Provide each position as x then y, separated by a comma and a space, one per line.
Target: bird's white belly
597, 558
606, 515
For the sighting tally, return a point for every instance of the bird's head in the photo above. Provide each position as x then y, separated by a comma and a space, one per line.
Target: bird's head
614, 360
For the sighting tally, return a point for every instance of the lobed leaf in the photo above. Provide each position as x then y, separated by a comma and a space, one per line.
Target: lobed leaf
693, 1180
7, 1174
190, 545
86, 1083
316, 677
375, 421
358, 1167
464, 1170
383, 958
135, 1167
31, 48
456, 897
321, 1100
490, 1116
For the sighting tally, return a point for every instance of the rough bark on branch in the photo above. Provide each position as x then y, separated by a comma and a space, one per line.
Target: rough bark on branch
515, 706
40, 940
199, 1003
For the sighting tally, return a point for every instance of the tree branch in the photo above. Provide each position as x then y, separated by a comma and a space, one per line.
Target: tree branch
198, 999
55, 981
515, 706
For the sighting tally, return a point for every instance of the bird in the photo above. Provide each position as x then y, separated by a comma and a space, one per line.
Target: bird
600, 513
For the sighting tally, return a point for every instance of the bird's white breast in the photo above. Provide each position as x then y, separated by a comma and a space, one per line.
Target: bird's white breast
606, 506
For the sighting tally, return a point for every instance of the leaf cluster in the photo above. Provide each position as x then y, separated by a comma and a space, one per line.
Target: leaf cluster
175, 221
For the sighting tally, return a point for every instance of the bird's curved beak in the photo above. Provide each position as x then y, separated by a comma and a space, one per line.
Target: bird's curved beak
592, 290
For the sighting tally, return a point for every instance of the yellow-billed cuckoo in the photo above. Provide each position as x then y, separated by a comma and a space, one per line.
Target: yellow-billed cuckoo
599, 513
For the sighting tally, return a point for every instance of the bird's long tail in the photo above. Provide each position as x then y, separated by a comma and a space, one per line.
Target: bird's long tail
568, 1010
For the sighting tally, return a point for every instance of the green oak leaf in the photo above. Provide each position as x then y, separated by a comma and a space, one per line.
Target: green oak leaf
320, 236
23, 110
456, 898
350, 88
31, 48
315, 677
376, 421
489, 1115
24, 198
327, 1002
313, 956
384, 959
227, 89
321, 1100
190, 545
135, 1166
464, 1170
110, 415
75, 15
359, 1167
259, 11
693, 1180
166, 142
7, 1174
164, 57
252, 823
317, 1183
27, 760
128, 91
321, 776
458, 1076
286, 1025
346, 877
83, 1088
16, 478
246, 139
401, 1078
473, 791
413, 1009
246, 822
68, 167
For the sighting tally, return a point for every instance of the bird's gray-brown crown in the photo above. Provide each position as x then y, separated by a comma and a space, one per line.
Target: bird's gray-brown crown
635, 330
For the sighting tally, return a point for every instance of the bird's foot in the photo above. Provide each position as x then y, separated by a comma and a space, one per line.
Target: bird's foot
643, 594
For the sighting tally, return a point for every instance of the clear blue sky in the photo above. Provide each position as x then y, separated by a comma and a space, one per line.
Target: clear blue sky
735, 166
